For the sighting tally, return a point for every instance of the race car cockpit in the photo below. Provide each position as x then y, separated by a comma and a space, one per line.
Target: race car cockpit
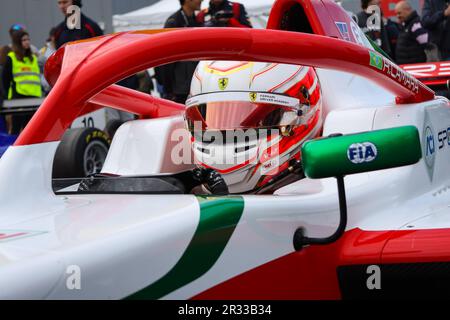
246, 123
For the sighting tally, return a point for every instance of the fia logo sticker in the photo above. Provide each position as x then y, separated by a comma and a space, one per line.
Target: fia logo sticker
362, 152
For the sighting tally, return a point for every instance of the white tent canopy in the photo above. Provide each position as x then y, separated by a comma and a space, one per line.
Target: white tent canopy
154, 16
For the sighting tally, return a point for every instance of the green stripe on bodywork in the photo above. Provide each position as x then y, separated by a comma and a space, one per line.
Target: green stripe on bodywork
218, 219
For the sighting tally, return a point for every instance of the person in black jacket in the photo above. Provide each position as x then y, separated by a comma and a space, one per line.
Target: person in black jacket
413, 38
224, 13
378, 34
176, 77
435, 17
64, 34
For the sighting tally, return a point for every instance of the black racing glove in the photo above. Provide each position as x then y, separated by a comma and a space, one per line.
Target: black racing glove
212, 180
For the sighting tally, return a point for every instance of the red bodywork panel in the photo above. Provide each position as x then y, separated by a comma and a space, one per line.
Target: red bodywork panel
312, 273
322, 16
430, 73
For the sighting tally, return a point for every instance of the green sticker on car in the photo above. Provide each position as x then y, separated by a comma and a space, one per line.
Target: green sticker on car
376, 60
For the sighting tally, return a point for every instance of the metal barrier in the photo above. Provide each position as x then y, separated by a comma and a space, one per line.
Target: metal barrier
21, 106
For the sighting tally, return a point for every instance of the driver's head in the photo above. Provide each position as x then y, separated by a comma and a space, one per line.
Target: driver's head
248, 120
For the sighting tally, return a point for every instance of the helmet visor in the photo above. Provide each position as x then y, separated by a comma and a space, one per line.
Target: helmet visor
240, 110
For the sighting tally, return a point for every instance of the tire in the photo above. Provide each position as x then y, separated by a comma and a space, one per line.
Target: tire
112, 126
82, 152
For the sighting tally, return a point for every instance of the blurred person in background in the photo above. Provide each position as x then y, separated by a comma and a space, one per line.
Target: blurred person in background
8, 48
377, 34
4, 54
224, 13
413, 38
88, 27
145, 82
176, 77
44, 54
393, 31
435, 18
21, 76
49, 48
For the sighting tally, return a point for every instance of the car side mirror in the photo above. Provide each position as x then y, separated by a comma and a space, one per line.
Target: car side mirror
361, 152
340, 155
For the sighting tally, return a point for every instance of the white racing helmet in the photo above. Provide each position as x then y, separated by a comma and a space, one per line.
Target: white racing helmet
248, 120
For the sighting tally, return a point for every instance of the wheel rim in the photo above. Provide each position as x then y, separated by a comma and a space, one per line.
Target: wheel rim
94, 157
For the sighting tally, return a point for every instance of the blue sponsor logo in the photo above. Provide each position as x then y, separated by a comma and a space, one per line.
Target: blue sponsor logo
444, 138
430, 149
343, 29
430, 143
362, 152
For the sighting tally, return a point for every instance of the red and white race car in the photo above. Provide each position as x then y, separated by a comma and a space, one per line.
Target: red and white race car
387, 221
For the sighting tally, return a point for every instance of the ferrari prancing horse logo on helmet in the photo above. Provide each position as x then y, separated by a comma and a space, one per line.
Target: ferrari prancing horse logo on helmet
223, 83
253, 96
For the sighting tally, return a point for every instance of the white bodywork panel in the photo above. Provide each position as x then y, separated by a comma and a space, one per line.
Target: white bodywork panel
343, 90
145, 147
114, 242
